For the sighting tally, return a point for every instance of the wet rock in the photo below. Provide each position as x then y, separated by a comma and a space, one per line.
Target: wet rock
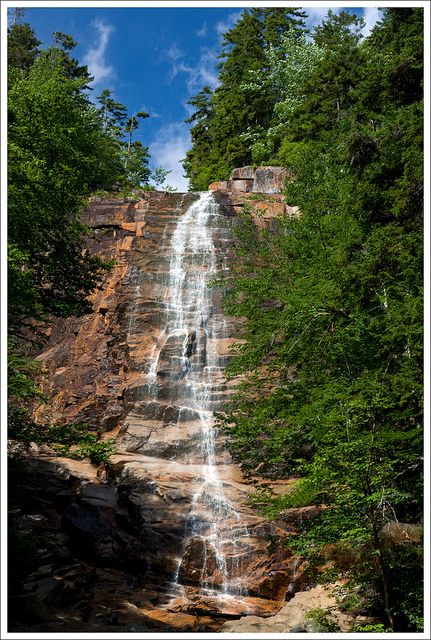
181, 622
198, 563
121, 369
269, 577
224, 605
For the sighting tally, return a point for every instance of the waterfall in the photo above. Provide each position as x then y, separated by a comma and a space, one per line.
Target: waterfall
192, 325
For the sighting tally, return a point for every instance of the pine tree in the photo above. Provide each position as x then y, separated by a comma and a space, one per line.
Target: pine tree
231, 111
22, 46
113, 114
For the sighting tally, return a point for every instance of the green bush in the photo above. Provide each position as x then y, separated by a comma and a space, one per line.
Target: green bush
372, 628
70, 440
322, 621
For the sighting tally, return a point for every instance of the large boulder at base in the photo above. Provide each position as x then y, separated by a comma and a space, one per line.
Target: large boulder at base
269, 179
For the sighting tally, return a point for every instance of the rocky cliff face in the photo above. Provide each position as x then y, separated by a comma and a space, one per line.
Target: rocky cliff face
147, 369
261, 180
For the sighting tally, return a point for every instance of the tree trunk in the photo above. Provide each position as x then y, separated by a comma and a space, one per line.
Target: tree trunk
129, 144
383, 574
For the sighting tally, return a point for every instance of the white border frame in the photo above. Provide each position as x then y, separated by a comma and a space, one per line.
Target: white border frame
196, 4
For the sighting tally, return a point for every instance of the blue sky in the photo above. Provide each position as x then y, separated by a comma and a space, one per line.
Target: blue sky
153, 59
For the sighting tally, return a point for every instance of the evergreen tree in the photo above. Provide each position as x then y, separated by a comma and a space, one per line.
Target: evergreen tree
64, 44
22, 46
219, 145
200, 162
113, 114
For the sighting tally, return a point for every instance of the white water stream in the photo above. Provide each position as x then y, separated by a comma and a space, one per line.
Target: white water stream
190, 321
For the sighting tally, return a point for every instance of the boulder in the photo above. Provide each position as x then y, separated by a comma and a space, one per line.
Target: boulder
242, 173
218, 185
243, 186
199, 561
396, 533
269, 577
269, 179
292, 618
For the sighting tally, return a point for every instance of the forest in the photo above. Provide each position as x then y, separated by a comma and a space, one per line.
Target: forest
331, 364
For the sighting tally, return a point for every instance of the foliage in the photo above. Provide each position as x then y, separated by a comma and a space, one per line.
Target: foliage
21, 372
372, 628
60, 149
71, 440
159, 176
22, 47
56, 154
322, 622
282, 78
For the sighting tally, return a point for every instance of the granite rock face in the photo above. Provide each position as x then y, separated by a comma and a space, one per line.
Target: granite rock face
263, 180
147, 369
245, 186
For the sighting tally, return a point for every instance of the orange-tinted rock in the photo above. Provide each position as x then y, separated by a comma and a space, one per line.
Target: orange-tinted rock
224, 605
219, 185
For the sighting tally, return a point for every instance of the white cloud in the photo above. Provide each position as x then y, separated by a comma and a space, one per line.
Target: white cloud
95, 56
202, 32
371, 16
228, 23
174, 53
170, 146
204, 72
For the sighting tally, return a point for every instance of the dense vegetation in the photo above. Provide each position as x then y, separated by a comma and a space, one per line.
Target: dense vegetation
61, 148
333, 299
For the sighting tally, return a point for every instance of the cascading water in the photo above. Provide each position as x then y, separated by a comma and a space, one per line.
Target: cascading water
191, 325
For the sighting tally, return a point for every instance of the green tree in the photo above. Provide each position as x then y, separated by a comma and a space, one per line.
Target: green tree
131, 126
113, 114
199, 163
22, 46
230, 111
64, 44
57, 154
282, 81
